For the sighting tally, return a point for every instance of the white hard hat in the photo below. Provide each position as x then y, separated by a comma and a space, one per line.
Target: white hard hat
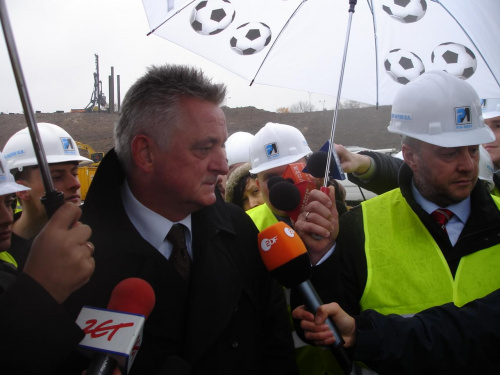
486, 168
275, 145
58, 145
493, 113
7, 183
237, 148
490, 104
440, 109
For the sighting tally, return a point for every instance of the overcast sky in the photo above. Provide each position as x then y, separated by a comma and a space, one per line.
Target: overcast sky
57, 40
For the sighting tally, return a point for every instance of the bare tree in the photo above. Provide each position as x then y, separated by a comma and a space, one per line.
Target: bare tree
347, 103
302, 107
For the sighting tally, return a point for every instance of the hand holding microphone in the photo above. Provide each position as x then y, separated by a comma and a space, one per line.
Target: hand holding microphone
286, 258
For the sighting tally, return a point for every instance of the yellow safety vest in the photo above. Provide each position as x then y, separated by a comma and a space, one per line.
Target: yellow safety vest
311, 360
495, 192
407, 271
262, 216
6, 257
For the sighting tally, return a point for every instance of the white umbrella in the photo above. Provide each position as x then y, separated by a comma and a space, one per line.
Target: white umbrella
299, 44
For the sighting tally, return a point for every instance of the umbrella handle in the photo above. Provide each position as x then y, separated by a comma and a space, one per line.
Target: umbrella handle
52, 199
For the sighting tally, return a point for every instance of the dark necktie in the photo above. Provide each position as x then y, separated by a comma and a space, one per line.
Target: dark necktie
442, 216
180, 256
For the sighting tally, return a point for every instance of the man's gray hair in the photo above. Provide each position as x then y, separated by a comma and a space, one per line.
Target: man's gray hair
151, 105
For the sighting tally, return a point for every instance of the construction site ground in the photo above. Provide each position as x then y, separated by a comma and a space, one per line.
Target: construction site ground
364, 127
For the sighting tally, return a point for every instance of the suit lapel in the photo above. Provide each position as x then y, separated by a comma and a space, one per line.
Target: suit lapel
216, 283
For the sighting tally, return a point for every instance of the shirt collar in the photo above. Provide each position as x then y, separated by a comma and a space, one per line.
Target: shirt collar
151, 226
461, 209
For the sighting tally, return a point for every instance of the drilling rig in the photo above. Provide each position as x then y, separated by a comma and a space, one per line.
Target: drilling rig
97, 98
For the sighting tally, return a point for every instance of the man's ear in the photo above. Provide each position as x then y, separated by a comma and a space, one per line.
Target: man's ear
409, 155
142, 152
23, 195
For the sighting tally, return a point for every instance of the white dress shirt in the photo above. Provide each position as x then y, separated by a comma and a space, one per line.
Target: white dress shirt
461, 212
152, 226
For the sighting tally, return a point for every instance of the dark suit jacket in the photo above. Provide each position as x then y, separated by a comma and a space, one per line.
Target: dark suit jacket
233, 318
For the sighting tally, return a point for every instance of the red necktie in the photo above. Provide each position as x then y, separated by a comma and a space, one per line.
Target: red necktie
442, 216
180, 256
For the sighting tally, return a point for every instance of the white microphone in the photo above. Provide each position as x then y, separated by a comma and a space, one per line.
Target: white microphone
113, 335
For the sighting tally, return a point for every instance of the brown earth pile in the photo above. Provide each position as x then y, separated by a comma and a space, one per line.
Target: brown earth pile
365, 127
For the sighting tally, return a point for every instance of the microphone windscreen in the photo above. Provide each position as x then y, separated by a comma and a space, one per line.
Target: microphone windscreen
274, 180
284, 196
316, 164
133, 295
284, 254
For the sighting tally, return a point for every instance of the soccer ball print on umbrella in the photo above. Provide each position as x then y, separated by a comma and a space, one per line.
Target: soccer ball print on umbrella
250, 38
403, 66
299, 44
211, 17
455, 59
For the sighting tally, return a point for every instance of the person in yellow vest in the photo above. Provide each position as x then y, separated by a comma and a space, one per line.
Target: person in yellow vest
378, 172
63, 158
272, 149
391, 254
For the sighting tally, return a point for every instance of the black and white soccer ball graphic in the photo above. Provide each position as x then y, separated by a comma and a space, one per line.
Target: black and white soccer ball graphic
250, 38
406, 11
455, 59
403, 65
210, 17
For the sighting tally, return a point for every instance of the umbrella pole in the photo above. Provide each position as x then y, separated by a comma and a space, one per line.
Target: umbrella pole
52, 199
331, 150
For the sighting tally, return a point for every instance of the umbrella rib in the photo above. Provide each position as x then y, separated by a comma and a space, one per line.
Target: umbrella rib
470, 39
275, 40
173, 15
375, 37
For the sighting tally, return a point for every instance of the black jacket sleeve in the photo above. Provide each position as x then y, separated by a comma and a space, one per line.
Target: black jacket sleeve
36, 331
440, 340
385, 177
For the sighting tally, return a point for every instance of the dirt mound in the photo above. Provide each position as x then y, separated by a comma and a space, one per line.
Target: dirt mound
365, 127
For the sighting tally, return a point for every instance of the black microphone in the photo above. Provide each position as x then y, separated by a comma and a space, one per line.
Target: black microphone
286, 258
285, 196
316, 164
290, 193
274, 180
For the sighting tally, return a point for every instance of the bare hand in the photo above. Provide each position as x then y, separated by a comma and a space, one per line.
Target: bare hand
318, 225
61, 259
352, 162
318, 332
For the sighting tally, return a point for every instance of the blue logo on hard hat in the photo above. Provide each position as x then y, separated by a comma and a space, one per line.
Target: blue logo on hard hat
68, 146
462, 115
272, 151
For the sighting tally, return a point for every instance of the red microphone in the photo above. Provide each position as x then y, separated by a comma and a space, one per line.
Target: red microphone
114, 335
286, 258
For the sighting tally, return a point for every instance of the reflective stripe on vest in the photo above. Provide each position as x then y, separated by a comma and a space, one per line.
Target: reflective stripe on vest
407, 271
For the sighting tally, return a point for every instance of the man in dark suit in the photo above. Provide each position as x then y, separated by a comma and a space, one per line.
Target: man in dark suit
222, 313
